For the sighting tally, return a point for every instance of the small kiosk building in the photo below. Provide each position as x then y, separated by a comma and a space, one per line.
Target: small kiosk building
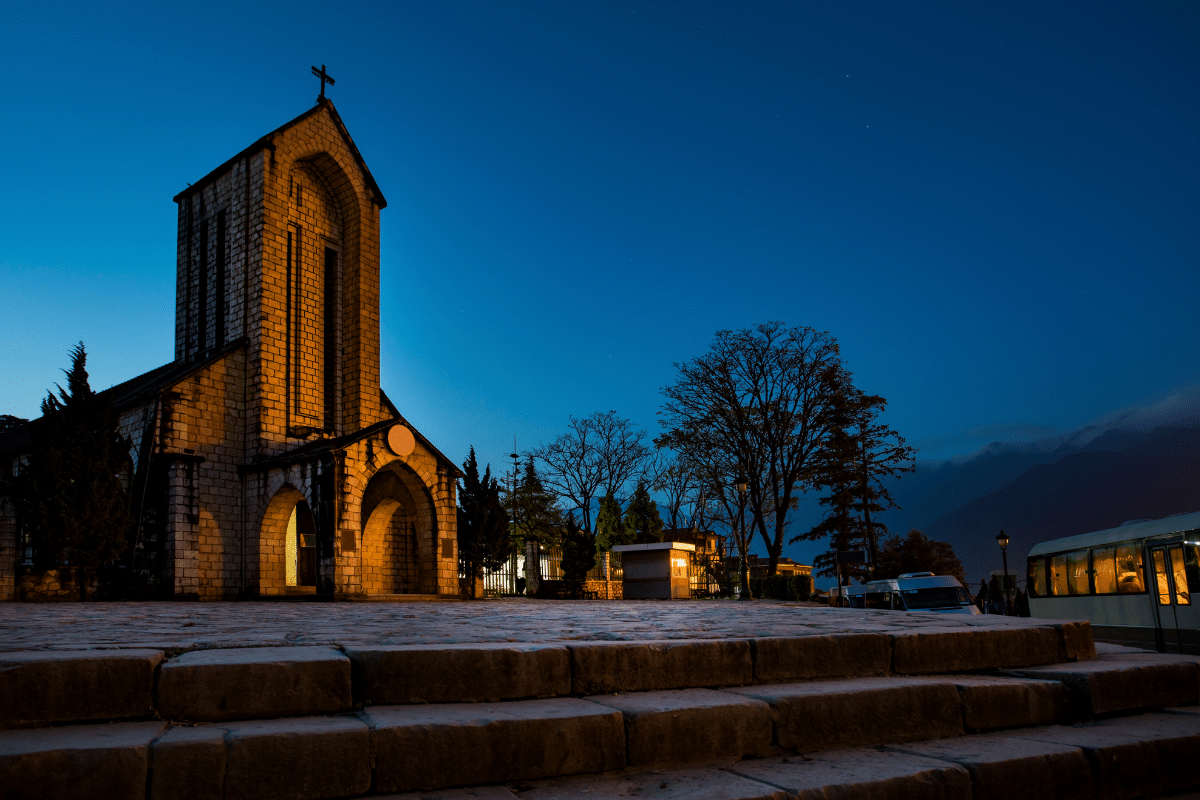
658, 571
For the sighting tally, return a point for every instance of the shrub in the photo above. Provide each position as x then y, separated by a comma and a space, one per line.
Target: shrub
782, 587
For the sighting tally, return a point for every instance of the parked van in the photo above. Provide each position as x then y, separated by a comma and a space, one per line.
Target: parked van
913, 591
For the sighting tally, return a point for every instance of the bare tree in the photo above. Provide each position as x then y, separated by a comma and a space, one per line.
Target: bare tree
678, 482
760, 400
597, 454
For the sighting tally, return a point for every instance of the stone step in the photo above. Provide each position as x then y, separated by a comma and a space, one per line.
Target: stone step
1128, 757
413, 747
60, 686
1123, 680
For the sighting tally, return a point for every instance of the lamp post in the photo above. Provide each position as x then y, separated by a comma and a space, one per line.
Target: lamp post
742, 543
1002, 539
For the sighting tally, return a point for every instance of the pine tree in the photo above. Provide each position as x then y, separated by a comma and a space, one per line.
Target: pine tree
535, 519
578, 555
69, 493
859, 454
642, 523
610, 526
834, 471
533, 510
483, 538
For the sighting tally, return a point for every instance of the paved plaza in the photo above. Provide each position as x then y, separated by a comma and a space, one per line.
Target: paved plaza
191, 626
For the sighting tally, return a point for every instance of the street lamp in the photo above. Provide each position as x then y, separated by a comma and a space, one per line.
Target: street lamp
1002, 540
743, 545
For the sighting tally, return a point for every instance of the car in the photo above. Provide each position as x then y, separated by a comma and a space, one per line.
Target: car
913, 591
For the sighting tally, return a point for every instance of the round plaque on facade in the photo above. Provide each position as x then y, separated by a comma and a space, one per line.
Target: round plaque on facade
400, 440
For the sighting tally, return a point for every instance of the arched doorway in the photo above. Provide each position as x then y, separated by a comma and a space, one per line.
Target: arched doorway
300, 547
397, 535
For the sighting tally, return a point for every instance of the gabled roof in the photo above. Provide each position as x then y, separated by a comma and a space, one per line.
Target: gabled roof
309, 449
132, 392
268, 141
136, 391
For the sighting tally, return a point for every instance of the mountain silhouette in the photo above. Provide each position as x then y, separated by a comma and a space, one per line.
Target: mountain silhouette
1146, 475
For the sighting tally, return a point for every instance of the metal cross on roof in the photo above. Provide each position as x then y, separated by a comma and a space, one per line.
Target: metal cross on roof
324, 76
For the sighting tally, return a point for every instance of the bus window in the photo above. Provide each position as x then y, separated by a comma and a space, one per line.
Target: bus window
1077, 572
1182, 596
1191, 564
1058, 575
1104, 562
1160, 578
1037, 577
1129, 569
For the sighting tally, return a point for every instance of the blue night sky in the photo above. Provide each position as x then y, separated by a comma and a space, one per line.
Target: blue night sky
993, 207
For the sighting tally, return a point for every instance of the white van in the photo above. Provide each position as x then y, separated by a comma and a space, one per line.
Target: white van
913, 591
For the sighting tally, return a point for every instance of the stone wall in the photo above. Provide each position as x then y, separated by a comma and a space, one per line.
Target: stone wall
53, 585
8, 549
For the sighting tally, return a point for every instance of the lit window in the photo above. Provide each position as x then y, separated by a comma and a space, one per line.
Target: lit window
1129, 569
1104, 562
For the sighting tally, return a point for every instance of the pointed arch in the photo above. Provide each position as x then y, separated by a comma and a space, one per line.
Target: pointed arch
272, 540
399, 533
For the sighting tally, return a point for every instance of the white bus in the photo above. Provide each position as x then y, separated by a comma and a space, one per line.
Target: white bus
913, 591
1134, 583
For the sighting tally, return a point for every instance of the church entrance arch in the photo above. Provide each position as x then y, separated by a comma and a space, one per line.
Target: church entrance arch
300, 547
398, 534
287, 551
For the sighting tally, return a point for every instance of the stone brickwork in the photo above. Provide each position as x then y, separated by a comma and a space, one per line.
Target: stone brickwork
9, 552
274, 395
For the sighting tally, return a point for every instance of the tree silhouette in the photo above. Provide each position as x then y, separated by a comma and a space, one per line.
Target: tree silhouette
860, 452
610, 524
598, 453
483, 539
642, 523
578, 555
757, 405
915, 552
69, 492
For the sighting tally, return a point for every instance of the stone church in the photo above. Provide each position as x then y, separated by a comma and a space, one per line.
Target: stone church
266, 459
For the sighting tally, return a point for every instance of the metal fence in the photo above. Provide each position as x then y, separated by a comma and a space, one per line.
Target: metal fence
507, 579
708, 575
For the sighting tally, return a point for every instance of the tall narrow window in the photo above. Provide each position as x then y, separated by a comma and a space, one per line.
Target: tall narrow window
287, 336
220, 264
202, 293
188, 292
330, 336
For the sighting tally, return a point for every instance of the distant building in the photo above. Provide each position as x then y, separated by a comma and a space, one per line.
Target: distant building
759, 566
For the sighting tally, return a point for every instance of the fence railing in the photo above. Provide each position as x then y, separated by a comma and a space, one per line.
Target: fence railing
707, 574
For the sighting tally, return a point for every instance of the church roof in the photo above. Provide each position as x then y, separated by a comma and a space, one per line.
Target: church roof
268, 141
128, 394
309, 449
136, 391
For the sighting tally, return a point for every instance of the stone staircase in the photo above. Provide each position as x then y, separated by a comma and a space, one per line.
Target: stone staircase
1006, 711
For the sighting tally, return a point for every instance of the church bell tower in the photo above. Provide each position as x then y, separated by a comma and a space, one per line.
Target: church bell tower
278, 252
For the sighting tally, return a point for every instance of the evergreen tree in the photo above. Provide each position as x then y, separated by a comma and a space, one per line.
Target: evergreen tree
859, 454
535, 519
610, 527
69, 493
483, 540
8, 422
642, 523
834, 472
917, 553
578, 555
533, 510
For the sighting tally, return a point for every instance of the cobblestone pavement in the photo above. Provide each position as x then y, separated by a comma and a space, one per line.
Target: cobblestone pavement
75, 626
